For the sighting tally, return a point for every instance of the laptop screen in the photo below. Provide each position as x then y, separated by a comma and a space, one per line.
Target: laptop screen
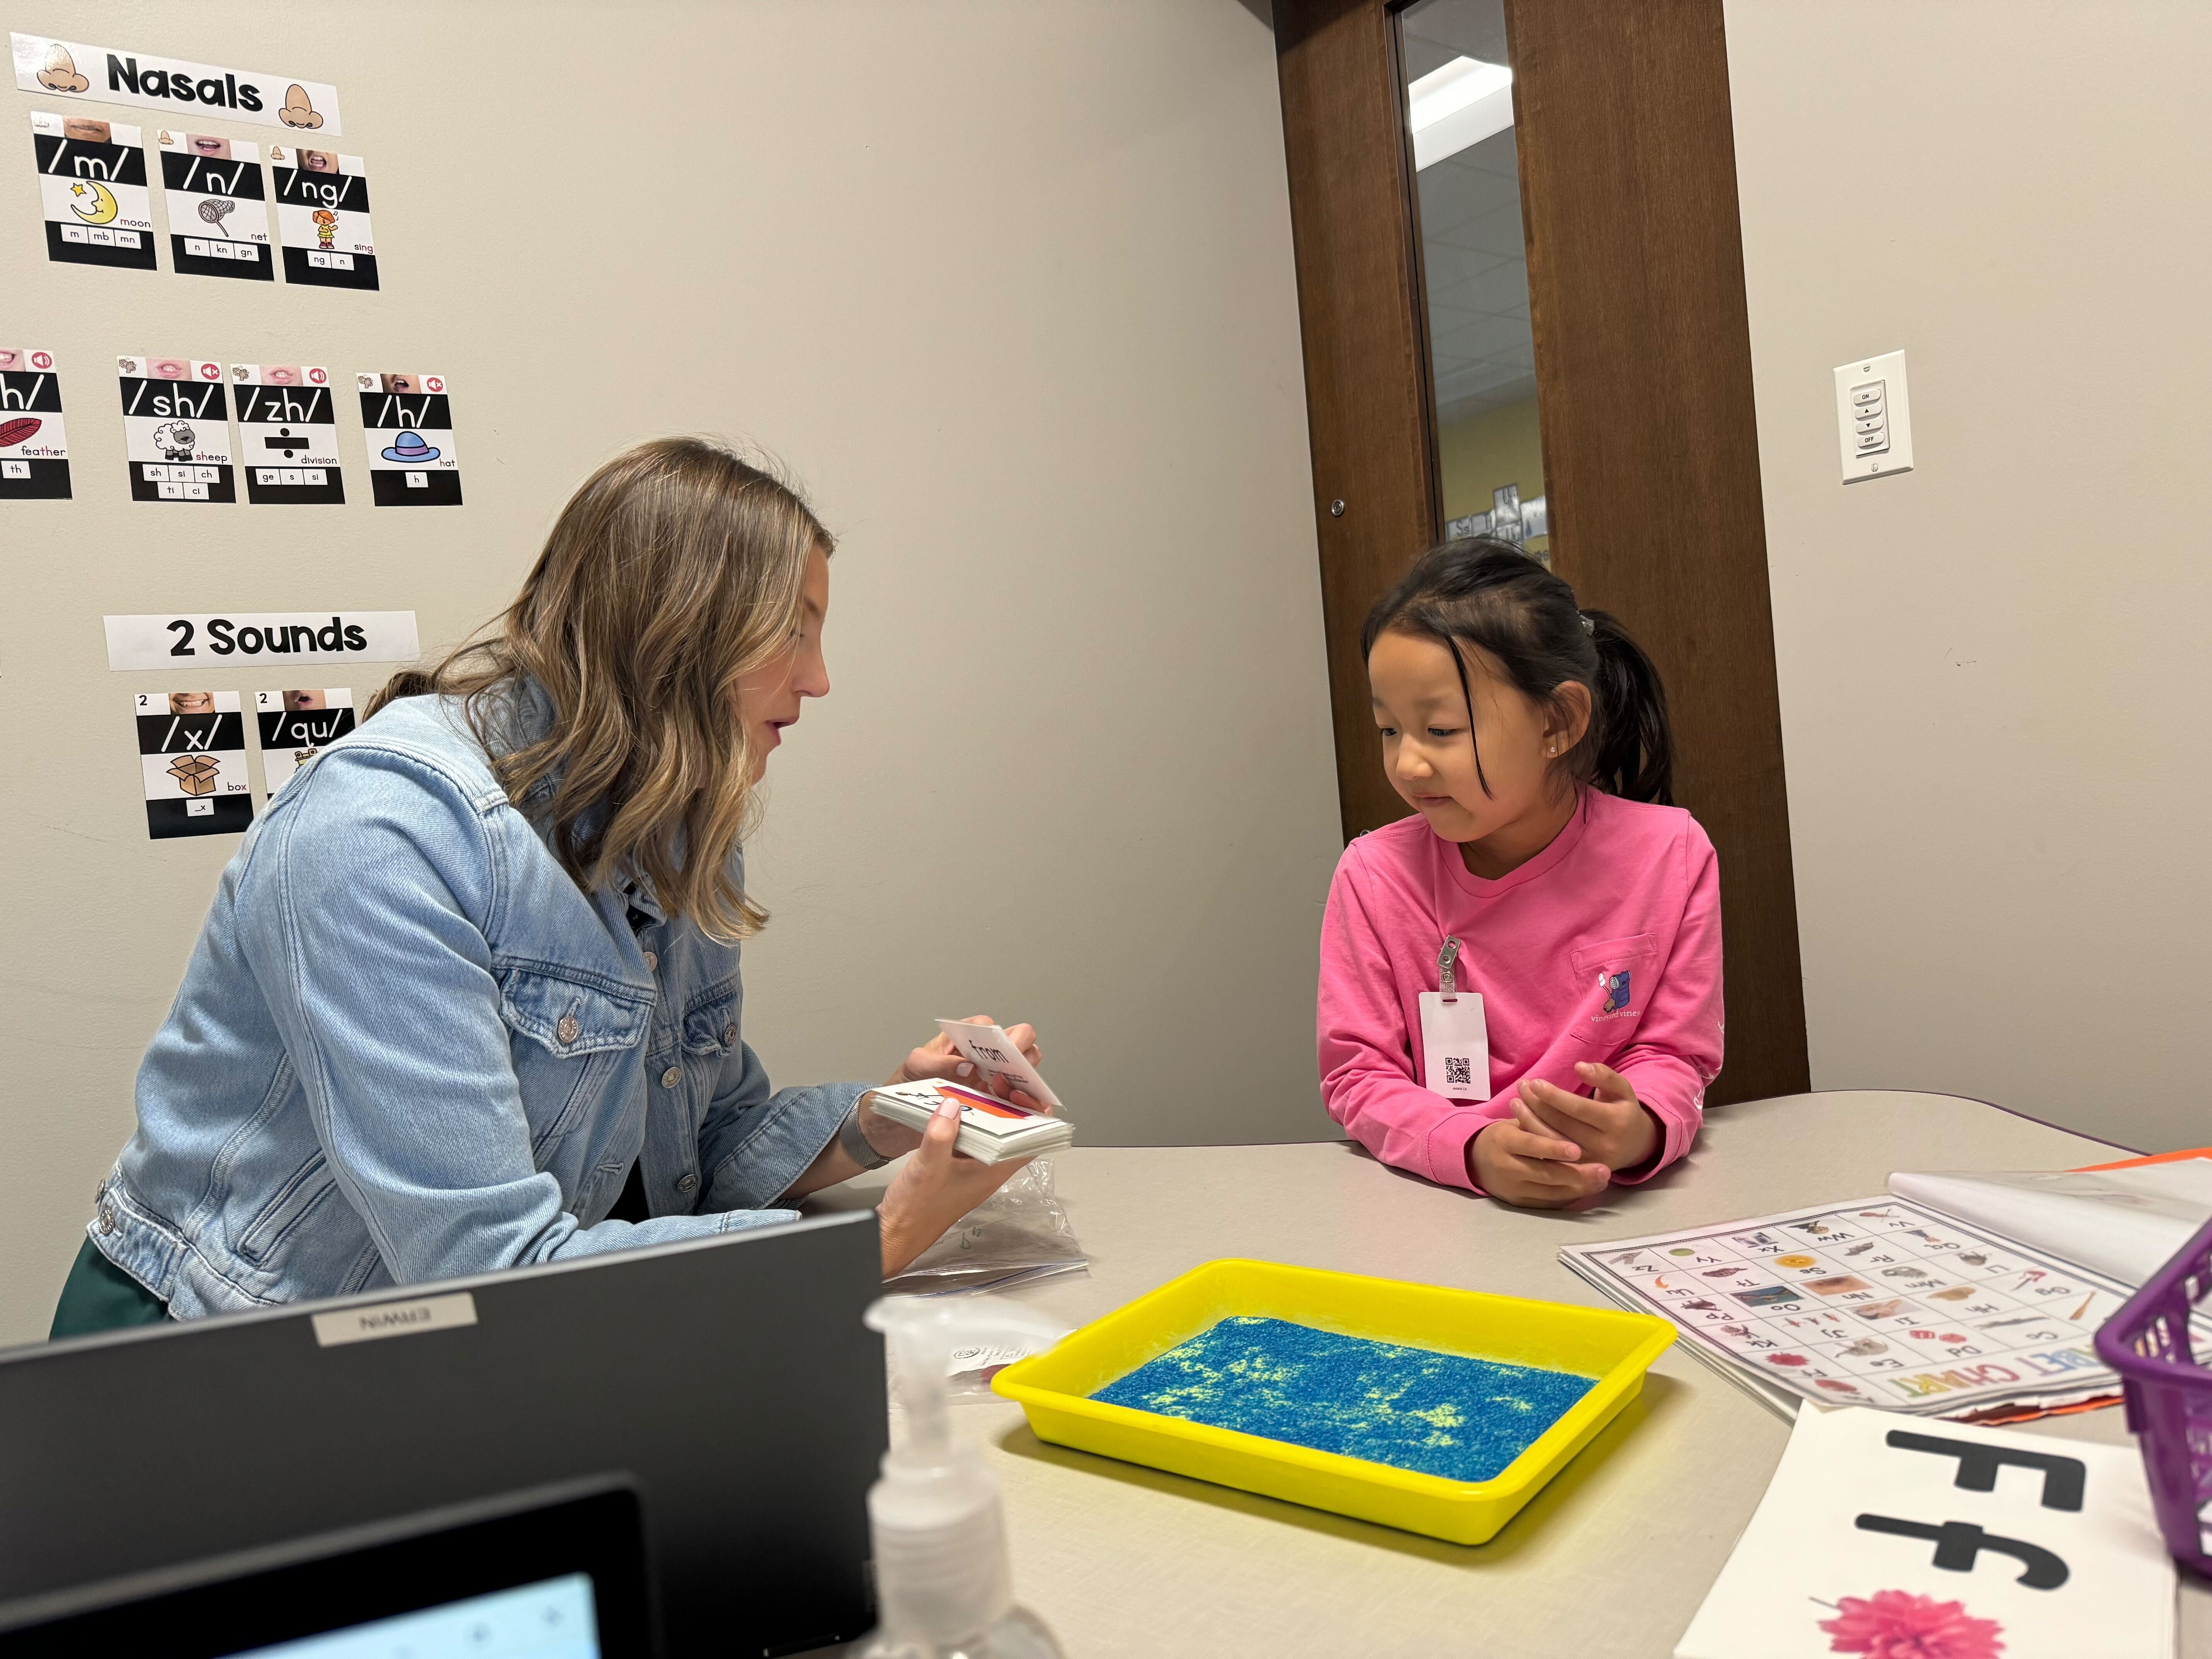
552, 1619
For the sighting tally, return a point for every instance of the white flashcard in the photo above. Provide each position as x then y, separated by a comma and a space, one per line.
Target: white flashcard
408, 419
322, 218
1455, 1046
191, 749
294, 727
176, 429
1882, 1536
92, 189
287, 434
33, 448
993, 1053
218, 206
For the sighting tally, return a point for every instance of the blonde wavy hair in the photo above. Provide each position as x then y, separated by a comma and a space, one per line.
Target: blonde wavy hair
676, 569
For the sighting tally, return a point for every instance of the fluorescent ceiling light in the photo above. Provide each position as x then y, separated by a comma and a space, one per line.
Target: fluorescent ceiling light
1463, 103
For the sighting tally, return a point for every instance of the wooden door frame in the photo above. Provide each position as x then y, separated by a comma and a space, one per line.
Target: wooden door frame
1642, 351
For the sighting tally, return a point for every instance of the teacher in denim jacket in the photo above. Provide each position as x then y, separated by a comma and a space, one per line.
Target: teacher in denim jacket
468, 996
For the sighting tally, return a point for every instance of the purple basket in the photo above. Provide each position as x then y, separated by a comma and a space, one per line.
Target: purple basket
2169, 1396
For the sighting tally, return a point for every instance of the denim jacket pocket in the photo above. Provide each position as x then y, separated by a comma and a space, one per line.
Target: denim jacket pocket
711, 1027
293, 1202
569, 1037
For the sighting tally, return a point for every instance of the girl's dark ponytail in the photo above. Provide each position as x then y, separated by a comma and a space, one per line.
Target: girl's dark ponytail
1490, 595
1634, 754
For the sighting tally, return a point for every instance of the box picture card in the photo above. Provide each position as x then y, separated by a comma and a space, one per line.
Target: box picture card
191, 751
176, 429
408, 419
295, 726
33, 448
322, 217
218, 205
92, 191
287, 434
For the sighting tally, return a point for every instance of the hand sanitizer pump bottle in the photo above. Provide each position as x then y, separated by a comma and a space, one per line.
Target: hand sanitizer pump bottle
944, 1583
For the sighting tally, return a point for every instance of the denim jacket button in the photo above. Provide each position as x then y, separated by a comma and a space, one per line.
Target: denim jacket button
729, 1034
567, 1031
671, 1077
107, 1218
687, 1183
652, 962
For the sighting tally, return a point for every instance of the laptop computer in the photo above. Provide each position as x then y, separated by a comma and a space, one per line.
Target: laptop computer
558, 1573
731, 1380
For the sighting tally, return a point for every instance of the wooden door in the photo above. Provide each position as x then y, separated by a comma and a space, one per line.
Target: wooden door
1643, 361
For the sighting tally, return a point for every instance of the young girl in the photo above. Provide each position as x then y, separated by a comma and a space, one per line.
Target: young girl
1546, 872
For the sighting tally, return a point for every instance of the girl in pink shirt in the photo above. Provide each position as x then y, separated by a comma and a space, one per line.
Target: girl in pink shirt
1577, 911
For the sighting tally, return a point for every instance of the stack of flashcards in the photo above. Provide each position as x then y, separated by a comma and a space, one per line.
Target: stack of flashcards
992, 1130
1882, 1537
1875, 1302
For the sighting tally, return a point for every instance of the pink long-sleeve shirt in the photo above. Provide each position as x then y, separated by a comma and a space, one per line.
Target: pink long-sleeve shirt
1626, 887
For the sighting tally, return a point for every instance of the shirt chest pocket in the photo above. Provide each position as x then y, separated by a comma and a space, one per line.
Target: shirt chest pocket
569, 1041
1612, 978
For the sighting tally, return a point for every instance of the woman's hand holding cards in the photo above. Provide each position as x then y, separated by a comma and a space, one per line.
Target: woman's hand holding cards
938, 1186
1559, 1147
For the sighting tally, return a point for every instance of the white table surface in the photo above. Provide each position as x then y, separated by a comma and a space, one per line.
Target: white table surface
1610, 1560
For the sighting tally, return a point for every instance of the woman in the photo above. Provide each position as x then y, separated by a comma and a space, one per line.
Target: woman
468, 996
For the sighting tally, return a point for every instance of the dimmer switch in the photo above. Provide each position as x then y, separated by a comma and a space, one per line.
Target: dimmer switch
1873, 424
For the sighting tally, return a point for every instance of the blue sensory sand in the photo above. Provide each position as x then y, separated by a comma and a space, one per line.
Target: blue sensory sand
1413, 1408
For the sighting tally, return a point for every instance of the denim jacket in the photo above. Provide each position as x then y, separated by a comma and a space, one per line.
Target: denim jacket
408, 1047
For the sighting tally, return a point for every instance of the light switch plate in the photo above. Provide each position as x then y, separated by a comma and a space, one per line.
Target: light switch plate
1896, 456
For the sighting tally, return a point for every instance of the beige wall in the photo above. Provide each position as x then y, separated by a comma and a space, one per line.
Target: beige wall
1480, 454
1990, 668
1009, 285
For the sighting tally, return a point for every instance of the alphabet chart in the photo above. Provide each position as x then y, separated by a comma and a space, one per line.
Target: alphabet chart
92, 187
294, 727
288, 433
322, 218
1877, 1303
1876, 1537
176, 429
218, 210
191, 748
409, 421
33, 448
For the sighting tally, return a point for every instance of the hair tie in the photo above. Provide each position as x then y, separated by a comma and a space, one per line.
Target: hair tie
1588, 627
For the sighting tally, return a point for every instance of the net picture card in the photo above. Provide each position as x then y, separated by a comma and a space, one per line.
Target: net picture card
92, 190
322, 218
176, 429
1878, 1535
408, 419
218, 206
33, 447
192, 750
1874, 1303
295, 726
287, 434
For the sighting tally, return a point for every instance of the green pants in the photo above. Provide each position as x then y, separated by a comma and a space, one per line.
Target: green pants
99, 1296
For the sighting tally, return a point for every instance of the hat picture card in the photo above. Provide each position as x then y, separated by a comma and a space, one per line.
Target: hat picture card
408, 419
1880, 1534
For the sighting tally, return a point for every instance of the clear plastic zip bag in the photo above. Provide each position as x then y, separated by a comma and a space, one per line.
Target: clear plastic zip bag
1021, 1233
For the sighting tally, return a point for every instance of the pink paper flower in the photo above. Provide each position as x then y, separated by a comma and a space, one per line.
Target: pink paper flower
1898, 1624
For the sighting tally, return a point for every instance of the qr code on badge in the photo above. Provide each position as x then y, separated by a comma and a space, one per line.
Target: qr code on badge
1459, 1071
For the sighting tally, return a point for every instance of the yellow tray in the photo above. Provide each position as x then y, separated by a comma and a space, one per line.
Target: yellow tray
1053, 1388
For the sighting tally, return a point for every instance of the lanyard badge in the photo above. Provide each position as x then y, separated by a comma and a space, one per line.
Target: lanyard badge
1454, 1039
